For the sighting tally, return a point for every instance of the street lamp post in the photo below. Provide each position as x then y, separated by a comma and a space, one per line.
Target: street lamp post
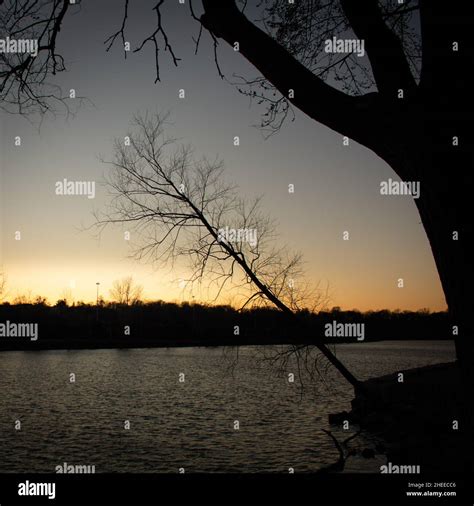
97, 300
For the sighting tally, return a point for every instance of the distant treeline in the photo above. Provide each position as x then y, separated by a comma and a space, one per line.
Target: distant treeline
171, 324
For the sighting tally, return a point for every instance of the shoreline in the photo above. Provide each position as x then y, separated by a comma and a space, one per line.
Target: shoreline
45, 345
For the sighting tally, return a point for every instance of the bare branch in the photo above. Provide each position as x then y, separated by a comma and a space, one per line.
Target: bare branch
153, 38
24, 76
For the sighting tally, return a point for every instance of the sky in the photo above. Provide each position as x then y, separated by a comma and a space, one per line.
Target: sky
336, 186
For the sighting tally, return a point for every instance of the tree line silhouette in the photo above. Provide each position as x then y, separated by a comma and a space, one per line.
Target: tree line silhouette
159, 323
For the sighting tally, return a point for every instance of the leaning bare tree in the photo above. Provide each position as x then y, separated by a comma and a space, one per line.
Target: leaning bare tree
181, 207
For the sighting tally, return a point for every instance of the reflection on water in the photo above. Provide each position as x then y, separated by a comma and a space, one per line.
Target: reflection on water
177, 424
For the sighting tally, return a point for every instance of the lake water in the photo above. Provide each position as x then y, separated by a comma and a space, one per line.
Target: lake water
177, 424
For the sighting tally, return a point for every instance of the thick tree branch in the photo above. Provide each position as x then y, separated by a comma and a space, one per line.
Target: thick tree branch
384, 49
345, 114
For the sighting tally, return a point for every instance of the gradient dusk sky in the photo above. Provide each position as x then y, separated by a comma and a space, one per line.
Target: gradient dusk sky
336, 187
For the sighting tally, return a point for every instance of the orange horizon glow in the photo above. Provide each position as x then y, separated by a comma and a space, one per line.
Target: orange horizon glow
79, 285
